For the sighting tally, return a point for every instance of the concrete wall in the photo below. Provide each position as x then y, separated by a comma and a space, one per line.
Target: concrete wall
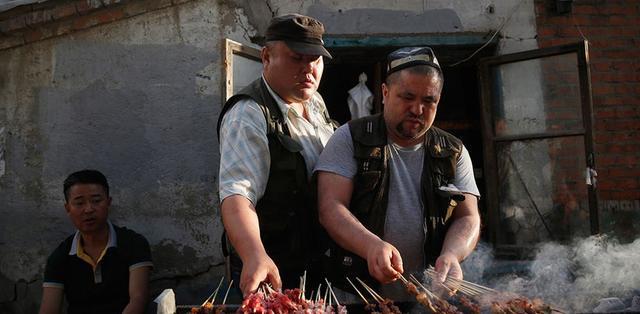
138, 98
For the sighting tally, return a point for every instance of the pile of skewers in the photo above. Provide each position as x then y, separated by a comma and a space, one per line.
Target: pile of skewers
266, 300
380, 306
208, 307
469, 297
453, 296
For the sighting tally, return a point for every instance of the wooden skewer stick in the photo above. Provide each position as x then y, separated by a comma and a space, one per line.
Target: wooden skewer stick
428, 294
471, 285
318, 293
332, 293
213, 294
404, 280
227, 293
451, 287
268, 288
467, 289
376, 296
303, 283
358, 291
217, 289
419, 284
326, 293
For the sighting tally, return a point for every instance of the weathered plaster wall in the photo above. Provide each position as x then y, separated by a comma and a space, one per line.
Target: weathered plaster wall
138, 99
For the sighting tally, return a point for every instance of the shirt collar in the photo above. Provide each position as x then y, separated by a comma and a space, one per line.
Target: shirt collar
284, 108
112, 242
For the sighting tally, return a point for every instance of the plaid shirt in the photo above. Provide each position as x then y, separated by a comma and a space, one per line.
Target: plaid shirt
244, 147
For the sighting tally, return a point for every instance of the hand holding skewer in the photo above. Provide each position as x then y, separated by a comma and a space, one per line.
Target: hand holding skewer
447, 265
257, 270
384, 262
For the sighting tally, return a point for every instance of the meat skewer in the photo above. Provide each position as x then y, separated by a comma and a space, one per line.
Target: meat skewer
214, 294
428, 299
517, 304
386, 306
208, 306
340, 309
467, 287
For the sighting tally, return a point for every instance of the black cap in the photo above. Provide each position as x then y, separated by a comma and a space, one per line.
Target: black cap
302, 34
411, 56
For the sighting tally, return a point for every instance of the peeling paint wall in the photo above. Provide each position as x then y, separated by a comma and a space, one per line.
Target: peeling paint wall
139, 99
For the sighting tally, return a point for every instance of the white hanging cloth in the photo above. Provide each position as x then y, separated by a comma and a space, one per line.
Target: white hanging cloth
360, 99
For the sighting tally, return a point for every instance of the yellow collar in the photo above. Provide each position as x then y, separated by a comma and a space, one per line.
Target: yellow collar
77, 248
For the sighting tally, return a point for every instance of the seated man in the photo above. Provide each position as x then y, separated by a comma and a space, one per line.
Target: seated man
102, 268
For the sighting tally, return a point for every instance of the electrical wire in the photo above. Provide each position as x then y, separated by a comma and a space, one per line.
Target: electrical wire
504, 23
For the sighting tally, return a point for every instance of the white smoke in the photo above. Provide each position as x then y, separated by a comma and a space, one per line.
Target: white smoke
571, 277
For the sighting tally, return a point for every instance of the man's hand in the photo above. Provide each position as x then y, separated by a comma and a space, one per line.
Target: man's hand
447, 265
384, 261
259, 269
241, 223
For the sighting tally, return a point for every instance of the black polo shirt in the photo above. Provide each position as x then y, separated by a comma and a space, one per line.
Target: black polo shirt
105, 288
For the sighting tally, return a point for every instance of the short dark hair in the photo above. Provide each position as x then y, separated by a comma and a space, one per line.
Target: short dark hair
418, 69
87, 176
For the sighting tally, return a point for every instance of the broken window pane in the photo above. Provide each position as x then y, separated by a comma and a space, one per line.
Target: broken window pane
543, 193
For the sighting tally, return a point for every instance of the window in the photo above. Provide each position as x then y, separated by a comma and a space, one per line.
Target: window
538, 145
242, 65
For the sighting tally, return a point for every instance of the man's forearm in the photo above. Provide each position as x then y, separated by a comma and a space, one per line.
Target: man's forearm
241, 224
462, 236
346, 230
138, 290
334, 193
51, 300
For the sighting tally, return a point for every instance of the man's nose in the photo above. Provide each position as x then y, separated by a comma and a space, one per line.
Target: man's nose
89, 208
417, 108
307, 67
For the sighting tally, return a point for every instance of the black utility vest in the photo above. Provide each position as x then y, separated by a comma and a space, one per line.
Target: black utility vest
287, 211
371, 188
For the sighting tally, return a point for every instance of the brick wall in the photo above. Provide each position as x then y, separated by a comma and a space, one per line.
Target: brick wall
613, 30
29, 23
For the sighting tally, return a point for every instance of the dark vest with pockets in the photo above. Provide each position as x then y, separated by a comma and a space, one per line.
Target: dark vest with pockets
371, 188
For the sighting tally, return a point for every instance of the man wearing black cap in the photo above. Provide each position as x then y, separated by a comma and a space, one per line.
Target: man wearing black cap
271, 134
384, 218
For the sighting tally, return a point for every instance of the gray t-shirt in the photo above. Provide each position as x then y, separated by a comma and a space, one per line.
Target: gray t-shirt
404, 222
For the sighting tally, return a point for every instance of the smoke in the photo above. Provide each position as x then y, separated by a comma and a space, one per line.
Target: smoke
571, 277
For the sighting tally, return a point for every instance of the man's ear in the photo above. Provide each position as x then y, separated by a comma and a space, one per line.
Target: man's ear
109, 201
385, 91
265, 54
66, 207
